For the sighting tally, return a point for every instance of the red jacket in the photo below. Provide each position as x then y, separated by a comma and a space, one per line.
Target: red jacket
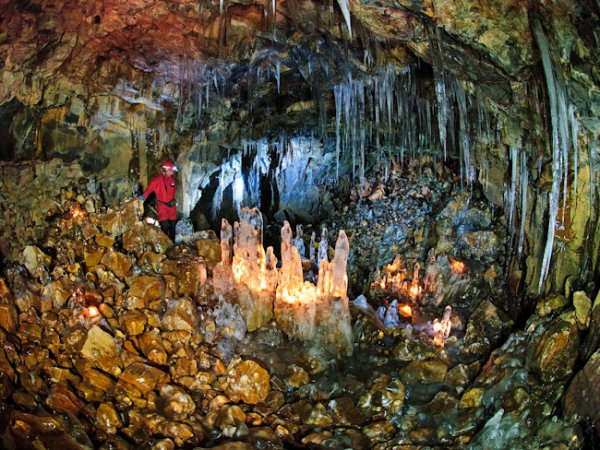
165, 189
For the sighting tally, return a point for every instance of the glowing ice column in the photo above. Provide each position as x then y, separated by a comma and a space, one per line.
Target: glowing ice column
333, 321
222, 273
250, 274
295, 300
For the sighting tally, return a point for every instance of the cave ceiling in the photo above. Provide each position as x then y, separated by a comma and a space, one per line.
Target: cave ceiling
95, 42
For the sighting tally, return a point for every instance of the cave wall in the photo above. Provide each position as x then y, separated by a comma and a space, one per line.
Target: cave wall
104, 85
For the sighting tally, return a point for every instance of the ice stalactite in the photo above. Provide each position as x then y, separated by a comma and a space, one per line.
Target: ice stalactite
464, 142
277, 65
524, 184
559, 121
575, 145
511, 192
440, 88
345, 8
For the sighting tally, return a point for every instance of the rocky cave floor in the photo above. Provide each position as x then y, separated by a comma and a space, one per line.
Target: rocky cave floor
159, 365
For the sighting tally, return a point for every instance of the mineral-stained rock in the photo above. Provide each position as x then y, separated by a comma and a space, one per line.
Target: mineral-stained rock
143, 377
63, 400
248, 381
180, 315
210, 250
583, 394
489, 322
100, 350
229, 418
177, 404
151, 345
98, 380
8, 317
385, 397
118, 263
144, 237
120, 220
104, 241
550, 304
33, 258
108, 419
319, 417
296, 376
55, 291
556, 351
133, 322
381, 431
191, 277
345, 413
472, 398
427, 372
146, 287
583, 308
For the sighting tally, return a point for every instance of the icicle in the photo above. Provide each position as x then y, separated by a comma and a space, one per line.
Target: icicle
575, 146
524, 185
510, 201
345, 7
557, 101
337, 92
277, 64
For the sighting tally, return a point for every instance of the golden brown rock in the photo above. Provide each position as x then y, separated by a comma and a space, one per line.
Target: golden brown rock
93, 256
144, 237
117, 262
151, 345
98, 380
148, 288
100, 351
8, 317
248, 381
108, 419
177, 404
210, 250
121, 220
296, 376
379, 431
133, 322
230, 416
63, 400
191, 277
180, 315
104, 241
144, 377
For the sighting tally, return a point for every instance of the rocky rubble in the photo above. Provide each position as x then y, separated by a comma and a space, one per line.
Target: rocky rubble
112, 339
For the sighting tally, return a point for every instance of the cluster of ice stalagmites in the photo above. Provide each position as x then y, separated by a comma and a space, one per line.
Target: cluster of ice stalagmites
304, 311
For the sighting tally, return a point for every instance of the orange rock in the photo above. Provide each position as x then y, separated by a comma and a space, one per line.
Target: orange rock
133, 322
8, 318
249, 382
100, 351
63, 400
144, 377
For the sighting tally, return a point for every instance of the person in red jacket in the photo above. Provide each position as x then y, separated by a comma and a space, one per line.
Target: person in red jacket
164, 188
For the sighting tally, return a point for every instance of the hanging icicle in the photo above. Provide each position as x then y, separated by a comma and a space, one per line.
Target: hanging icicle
558, 115
345, 7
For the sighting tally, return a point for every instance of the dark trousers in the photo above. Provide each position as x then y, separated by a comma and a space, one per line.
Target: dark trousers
168, 227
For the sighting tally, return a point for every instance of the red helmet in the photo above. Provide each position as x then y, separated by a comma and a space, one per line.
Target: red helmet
168, 165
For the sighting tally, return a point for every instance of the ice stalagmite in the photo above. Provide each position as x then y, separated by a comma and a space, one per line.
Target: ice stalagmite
298, 242
295, 300
249, 266
222, 273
